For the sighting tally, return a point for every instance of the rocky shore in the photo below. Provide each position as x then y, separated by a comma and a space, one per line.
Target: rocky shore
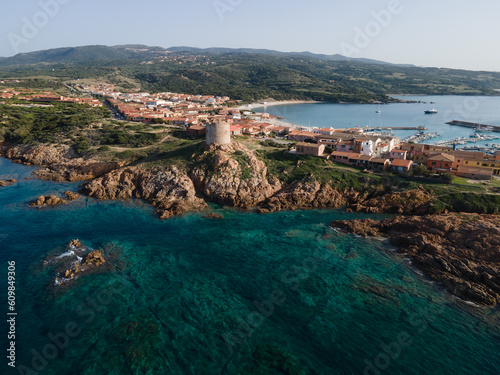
171, 191
230, 175
58, 163
461, 251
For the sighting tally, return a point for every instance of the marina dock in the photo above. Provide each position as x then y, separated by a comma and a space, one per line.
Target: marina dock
474, 125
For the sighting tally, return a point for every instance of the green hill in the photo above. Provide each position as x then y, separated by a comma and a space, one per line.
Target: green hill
246, 74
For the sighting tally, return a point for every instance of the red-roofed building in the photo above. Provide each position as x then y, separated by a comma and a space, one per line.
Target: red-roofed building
440, 162
196, 131
235, 130
401, 165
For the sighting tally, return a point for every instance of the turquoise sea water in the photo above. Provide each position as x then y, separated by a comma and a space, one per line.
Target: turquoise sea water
480, 109
249, 294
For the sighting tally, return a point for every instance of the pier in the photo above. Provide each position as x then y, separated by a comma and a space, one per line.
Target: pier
474, 125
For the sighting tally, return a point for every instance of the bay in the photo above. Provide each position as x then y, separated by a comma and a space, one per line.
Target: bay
476, 109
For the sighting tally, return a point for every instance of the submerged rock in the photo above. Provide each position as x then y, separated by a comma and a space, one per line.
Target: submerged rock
7, 182
460, 250
213, 216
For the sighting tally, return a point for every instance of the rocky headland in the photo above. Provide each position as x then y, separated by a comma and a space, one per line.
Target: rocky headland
170, 190
230, 175
462, 251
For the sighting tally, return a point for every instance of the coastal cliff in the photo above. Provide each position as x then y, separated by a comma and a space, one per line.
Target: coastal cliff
462, 251
171, 191
58, 163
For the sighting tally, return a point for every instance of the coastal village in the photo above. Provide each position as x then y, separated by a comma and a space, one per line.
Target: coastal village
371, 151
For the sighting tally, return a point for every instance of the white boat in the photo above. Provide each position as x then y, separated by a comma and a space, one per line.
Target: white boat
431, 111
484, 129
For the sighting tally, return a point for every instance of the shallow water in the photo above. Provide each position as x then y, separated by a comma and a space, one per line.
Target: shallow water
249, 294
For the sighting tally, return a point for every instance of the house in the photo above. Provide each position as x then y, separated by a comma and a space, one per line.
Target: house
342, 157
235, 130
381, 149
363, 160
324, 131
367, 148
346, 146
278, 129
195, 131
380, 164
401, 165
314, 149
475, 173
299, 135
353, 158
440, 162
398, 154
483, 163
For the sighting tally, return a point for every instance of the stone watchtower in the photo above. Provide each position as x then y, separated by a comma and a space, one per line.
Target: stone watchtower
219, 133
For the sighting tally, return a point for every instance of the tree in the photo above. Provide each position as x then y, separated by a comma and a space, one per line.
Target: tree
448, 177
420, 170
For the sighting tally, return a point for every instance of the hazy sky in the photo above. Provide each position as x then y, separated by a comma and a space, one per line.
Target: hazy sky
444, 33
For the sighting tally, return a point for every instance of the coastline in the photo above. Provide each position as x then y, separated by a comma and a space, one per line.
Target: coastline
272, 103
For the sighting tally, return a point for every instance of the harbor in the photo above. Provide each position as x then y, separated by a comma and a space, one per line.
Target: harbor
420, 136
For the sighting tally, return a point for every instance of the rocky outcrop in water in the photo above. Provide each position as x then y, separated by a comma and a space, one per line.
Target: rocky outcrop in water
7, 182
95, 258
75, 262
462, 251
53, 200
170, 190
49, 200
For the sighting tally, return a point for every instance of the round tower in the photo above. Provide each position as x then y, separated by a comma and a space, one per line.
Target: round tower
218, 133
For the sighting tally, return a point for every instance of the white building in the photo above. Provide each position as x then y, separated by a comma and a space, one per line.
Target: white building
367, 148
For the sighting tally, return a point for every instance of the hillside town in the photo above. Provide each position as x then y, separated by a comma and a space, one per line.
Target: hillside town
354, 146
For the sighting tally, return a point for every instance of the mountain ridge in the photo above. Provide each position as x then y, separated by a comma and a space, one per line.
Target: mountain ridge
95, 53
